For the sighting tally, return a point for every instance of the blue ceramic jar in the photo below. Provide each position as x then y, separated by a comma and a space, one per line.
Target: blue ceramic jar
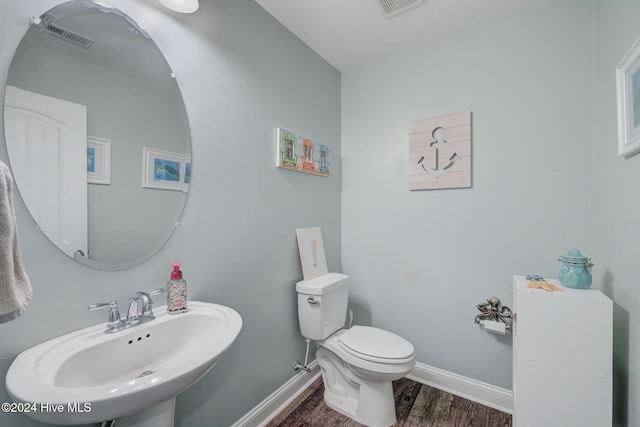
575, 271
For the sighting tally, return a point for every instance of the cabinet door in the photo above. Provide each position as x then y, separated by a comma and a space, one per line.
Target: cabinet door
562, 357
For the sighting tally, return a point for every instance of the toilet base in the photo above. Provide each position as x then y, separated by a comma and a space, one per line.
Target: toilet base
371, 409
369, 402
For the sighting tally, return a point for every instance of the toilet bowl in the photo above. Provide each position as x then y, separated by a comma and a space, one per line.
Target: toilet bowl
358, 380
357, 364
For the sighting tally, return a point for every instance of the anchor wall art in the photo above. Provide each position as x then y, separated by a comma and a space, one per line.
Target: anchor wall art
440, 152
302, 154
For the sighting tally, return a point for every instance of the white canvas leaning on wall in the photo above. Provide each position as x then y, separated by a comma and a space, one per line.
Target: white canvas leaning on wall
312, 256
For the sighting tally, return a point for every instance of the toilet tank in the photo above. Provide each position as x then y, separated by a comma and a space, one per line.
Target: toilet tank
322, 305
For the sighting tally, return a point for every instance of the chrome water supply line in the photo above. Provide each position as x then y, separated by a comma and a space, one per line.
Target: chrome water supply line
304, 367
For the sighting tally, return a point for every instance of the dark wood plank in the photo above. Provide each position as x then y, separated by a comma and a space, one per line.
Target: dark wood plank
300, 408
405, 393
473, 414
323, 416
431, 408
417, 405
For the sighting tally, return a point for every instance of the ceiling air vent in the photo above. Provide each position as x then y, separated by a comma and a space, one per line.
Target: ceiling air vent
63, 33
391, 8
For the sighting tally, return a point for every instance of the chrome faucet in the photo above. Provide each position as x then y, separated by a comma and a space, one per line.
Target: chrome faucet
140, 311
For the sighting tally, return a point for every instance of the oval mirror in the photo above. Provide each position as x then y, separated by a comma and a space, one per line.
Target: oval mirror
97, 135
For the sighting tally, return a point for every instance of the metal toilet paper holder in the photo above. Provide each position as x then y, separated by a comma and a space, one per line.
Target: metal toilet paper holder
493, 311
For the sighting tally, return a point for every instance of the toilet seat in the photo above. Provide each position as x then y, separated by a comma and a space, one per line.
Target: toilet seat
376, 345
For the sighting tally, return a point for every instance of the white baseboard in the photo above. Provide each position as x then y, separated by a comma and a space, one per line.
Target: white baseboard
279, 399
476, 391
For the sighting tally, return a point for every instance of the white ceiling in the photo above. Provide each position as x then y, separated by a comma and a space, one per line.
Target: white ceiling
347, 33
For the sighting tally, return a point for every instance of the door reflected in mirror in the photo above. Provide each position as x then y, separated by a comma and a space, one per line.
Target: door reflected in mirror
89, 96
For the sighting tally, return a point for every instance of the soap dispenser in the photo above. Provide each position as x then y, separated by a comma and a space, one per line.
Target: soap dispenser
176, 291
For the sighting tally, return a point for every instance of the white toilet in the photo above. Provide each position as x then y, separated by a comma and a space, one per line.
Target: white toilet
357, 364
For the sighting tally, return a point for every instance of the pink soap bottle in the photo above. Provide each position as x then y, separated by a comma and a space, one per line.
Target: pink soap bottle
176, 291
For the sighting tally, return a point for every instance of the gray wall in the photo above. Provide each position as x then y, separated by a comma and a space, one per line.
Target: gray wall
422, 260
545, 177
242, 75
616, 180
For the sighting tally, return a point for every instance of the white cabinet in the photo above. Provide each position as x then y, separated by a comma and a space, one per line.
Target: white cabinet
562, 357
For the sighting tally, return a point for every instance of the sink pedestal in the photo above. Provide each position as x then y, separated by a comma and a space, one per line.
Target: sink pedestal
160, 415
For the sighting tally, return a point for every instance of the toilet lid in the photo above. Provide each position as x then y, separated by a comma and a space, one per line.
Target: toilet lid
376, 342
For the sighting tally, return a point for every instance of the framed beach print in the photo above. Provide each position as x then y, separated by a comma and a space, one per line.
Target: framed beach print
312, 256
98, 160
164, 170
187, 174
628, 91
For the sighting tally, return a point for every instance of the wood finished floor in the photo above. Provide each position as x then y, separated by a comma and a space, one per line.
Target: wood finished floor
417, 405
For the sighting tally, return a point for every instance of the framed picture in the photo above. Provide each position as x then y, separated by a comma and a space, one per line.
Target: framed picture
98, 160
440, 152
187, 173
302, 154
164, 170
312, 257
628, 90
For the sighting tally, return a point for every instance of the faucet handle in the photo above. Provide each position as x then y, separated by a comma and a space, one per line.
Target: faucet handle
151, 294
113, 308
100, 305
147, 309
154, 293
157, 291
114, 322
141, 294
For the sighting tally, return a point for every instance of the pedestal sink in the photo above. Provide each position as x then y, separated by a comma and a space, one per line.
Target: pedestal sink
133, 375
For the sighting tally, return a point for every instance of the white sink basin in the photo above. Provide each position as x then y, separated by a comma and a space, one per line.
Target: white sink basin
121, 373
